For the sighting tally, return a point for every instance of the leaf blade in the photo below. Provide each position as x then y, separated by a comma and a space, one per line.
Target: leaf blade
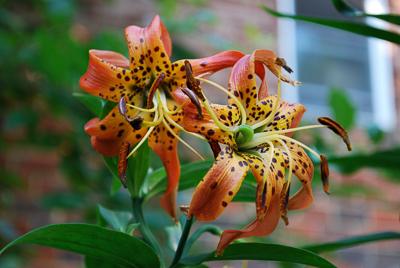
92, 241
353, 27
260, 251
352, 241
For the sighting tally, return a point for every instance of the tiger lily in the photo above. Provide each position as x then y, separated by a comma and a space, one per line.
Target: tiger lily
149, 104
254, 131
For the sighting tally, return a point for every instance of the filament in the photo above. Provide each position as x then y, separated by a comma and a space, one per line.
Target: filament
236, 100
274, 108
141, 109
300, 144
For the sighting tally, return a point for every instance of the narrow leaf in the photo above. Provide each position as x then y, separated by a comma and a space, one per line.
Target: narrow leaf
352, 241
93, 103
348, 10
263, 252
118, 220
353, 27
92, 241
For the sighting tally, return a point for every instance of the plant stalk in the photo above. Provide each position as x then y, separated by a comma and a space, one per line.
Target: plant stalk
182, 242
148, 236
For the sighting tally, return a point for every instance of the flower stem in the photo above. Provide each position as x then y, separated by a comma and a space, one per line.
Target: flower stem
182, 241
148, 236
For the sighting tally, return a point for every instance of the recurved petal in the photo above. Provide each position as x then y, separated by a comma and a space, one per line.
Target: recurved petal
227, 114
149, 49
303, 168
163, 142
108, 77
219, 186
286, 115
108, 147
274, 64
257, 228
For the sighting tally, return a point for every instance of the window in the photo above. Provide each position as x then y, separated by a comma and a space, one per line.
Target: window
324, 58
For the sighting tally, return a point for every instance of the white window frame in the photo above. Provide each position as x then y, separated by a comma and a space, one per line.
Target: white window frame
381, 65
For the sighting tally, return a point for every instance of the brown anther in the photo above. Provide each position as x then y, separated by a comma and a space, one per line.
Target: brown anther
153, 88
324, 173
122, 107
337, 129
136, 123
123, 161
215, 148
192, 83
281, 62
194, 100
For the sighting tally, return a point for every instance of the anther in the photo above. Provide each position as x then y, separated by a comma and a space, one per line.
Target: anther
153, 89
281, 62
192, 83
122, 108
194, 100
324, 173
122, 162
337, 129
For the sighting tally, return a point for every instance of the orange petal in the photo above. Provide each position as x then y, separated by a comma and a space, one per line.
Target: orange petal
219, 186
107, 76
149, 49
227, 114
257, 228
303, 168
164, 144
286, 116
108, 147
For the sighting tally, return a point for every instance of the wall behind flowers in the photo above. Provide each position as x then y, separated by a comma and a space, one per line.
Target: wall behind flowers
50, 174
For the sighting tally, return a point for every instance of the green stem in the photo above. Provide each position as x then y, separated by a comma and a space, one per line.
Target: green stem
143, 227
207, 228
182, 241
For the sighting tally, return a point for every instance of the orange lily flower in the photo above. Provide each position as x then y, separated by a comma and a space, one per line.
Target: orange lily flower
145, 86
255, 132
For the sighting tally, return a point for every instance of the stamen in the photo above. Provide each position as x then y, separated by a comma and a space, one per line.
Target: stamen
181, 140
141, 142
214, 117
141, 109
232, 96
289, 130
284, 200
298, 143
271, 116
153, 89
324, 173
161, 99
122, 162
194, 100
337, 129
281, 62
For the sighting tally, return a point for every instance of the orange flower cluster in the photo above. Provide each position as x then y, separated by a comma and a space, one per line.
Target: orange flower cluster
156, 99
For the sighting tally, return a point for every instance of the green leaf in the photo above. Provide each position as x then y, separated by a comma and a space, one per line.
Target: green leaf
138, 166
386, 159
191, 174
264, 252
348, 26
346, 9
91, 262
112, 165
93, 103
118, 220
342, 108
92, 241
352, 241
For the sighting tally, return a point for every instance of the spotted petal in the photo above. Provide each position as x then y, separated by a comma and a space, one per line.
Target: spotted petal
149, 49
227, 114
163, 142
257, 228
108, 77
219, 186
